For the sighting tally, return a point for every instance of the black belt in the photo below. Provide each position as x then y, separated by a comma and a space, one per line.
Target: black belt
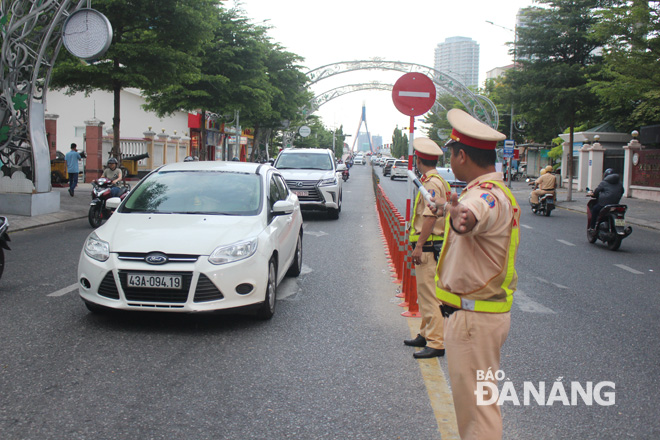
447, 310
430, 246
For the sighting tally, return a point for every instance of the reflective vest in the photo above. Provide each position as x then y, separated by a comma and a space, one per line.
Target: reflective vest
459, 301
413, 236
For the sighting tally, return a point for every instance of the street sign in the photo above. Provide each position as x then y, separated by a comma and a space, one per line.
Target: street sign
413, 94
304, 131
508, 148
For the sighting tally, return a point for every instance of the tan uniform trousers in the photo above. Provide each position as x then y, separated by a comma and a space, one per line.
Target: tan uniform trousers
539, 192
473, 342
432, 327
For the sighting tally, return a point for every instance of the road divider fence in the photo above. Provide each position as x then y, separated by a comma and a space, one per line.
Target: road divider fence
398, 249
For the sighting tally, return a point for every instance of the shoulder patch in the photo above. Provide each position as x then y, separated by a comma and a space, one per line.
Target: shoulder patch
489, 199
486, 185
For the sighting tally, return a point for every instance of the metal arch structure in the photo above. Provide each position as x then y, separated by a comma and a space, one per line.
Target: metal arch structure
479, 106
31, 40
331, 94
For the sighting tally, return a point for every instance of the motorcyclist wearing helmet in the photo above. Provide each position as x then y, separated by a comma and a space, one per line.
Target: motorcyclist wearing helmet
608, 192
113, 172
546, 184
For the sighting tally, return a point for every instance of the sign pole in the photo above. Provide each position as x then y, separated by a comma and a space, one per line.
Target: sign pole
411, 187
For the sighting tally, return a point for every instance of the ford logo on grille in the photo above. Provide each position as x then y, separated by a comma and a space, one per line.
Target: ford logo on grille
156, 258
299, 184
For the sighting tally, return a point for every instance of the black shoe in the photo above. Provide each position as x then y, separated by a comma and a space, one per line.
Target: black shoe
70, 192
428, 352
419, 341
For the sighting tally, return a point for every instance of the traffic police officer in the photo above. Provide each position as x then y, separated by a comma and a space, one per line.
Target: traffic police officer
426, 234
476, 276
546, 184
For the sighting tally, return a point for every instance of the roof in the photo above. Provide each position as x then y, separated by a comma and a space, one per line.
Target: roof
230, 166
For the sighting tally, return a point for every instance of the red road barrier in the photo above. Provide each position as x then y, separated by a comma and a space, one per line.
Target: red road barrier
393, 227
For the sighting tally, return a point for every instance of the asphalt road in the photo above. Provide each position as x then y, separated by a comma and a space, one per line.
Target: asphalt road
329, 365
582, 313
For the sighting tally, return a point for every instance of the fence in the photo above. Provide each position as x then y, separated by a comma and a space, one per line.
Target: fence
161, 151
398, 249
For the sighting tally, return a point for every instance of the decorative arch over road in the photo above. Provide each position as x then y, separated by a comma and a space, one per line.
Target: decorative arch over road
479, 106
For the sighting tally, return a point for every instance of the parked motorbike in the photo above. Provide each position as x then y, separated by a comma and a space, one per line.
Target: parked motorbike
4, 238
101, 189
610, 226
546, 202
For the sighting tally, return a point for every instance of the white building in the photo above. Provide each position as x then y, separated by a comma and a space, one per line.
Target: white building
73, 111
459, 56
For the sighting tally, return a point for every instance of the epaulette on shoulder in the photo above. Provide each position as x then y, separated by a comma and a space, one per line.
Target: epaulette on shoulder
486, 185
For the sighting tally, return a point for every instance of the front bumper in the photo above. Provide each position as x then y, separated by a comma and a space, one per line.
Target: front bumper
205, 287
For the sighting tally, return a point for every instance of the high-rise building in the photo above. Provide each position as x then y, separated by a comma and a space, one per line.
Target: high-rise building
459, 57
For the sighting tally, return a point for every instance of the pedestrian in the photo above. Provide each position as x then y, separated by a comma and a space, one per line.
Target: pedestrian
476, 274
426, 234
72, 158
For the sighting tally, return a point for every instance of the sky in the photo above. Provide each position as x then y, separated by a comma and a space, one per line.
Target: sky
327, 32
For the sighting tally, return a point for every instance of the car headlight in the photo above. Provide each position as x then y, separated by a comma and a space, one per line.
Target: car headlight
328, 182
96, 248
233, 252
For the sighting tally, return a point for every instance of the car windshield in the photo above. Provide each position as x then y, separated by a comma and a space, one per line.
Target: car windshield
310, 161
197, 192
446, 174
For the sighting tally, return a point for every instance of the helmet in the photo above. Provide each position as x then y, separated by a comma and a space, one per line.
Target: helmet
608, 172
543, 171
235, 159
548, 169
189, 159
113, 160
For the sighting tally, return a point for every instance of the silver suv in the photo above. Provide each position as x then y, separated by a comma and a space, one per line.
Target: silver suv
313, 175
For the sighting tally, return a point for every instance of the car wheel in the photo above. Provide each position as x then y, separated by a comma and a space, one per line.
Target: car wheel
267, 308
296, 265
2, 261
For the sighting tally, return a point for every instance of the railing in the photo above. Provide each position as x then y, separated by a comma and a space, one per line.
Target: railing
160, 152
398, 249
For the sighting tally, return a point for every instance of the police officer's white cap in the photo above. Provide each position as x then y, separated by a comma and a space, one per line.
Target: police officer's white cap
426, 148
471, 131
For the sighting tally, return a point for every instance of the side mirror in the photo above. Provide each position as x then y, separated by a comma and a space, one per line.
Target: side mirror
112, 203
282, 207
271, 161
341, 167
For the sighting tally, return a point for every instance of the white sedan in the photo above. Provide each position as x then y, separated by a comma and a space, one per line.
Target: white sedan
194, 237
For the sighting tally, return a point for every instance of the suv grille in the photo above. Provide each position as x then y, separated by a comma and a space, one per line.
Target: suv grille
313, 194
156, 295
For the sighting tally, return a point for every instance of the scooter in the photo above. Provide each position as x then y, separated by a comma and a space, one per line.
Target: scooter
101, 190
4, 238
610, 226
345, 175
546, 203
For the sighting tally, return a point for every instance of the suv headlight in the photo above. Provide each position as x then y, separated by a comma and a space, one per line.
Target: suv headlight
233, 252
96, 248
328, 182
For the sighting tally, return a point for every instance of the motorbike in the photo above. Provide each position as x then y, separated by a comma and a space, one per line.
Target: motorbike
4, 238
546, 203
611, 226
101, 190
345, 175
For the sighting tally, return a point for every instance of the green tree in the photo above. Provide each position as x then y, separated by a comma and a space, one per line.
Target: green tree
556, 54
399, 143
630, 83
155, 43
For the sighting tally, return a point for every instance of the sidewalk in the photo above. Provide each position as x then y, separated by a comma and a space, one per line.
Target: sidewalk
640, 212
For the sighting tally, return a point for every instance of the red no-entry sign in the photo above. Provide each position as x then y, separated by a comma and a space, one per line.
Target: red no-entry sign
413, 94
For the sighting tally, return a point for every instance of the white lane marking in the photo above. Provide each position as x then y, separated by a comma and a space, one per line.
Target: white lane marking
629, 269
64, 291
315, 233
526, 226
543, 280
567, 243
526, 304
